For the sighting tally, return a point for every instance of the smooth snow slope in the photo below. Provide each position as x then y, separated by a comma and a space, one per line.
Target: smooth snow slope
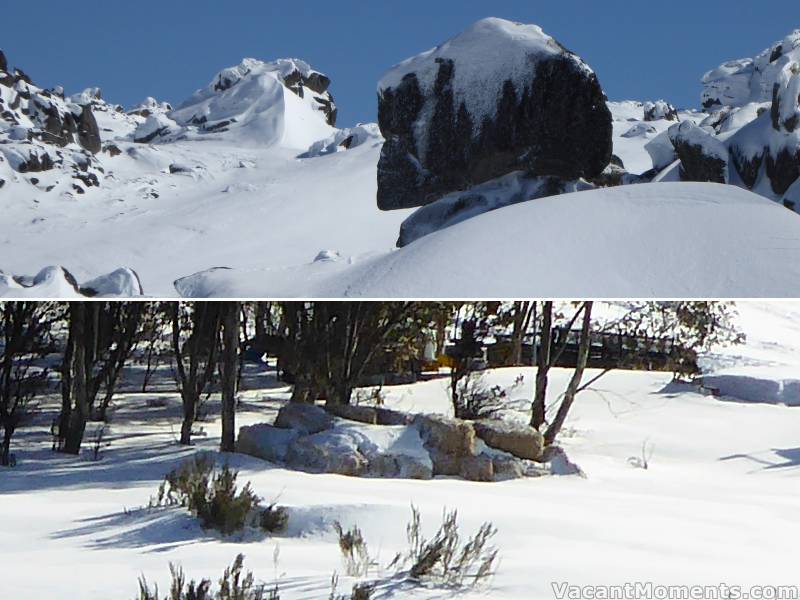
648, 240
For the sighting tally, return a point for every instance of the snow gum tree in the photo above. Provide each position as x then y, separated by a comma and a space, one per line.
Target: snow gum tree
195, 344
25, 330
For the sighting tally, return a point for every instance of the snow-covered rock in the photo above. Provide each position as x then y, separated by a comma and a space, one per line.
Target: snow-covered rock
498, 98
306, 418
266, 441
459, 206
739, 82
660, 110
518, 440
703, 157
345, 139
58, 282
283, 102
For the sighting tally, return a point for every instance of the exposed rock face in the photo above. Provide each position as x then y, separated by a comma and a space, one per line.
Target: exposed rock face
453, 118
522, 442
655, 111
306, 418
703, 157
88, 132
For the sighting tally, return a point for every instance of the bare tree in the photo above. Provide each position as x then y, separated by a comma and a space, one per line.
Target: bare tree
25, 332
195, 332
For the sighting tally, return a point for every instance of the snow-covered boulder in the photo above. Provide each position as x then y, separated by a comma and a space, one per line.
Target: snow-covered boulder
661, 151
739, 82
497, 193
516, 439
58, 282
266, 441
658, 110
703, 157
498, 98
150, 106
157, 127
327, 452
123, 283
345, 139
305, 418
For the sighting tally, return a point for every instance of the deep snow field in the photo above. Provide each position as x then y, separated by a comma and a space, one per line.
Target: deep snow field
276, 206
717, 503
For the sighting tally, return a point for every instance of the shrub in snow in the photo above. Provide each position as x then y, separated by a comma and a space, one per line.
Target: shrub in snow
498, 98
447, 557
353, 547
235, 584
214, 497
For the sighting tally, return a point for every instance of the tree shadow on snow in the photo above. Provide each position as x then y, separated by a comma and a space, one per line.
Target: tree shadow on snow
789, 458
156, 529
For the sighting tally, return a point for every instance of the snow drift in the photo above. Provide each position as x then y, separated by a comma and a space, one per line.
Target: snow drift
654, 240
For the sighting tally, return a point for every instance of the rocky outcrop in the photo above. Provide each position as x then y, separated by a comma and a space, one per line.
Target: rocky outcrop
88, 132
305, 418
282, 101
327, 452
453, 118
518, 440
266, 441
749, 80
703, 157
658, 110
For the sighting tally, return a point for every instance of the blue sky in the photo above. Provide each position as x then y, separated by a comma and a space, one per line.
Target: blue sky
167, 49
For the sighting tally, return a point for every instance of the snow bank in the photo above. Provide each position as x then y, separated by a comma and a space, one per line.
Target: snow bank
57, 282
650, 240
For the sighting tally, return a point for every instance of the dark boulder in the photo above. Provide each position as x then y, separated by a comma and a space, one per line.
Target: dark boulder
450, 125
88, 131
3, 62
703, 157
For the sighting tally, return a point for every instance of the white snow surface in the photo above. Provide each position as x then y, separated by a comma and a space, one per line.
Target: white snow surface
696, 240
716, 504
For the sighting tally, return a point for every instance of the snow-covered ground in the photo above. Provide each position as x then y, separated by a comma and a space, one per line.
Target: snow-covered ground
716, 504
249, 177
658, 240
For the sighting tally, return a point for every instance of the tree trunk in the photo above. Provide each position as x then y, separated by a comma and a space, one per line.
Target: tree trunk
229, 367
542, 367
190, 401
575, 382
5, 451
78, 380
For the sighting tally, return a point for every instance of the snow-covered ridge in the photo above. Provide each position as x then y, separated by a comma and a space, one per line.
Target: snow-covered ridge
489, 46
739, 82
283, 102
